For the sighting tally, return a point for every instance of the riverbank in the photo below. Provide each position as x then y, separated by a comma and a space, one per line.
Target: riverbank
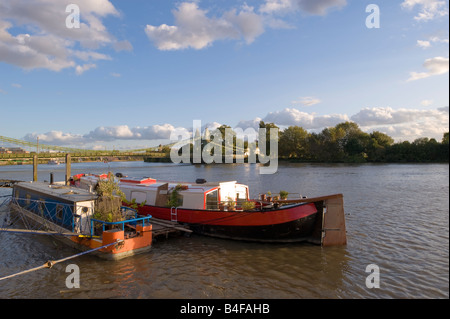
47, 161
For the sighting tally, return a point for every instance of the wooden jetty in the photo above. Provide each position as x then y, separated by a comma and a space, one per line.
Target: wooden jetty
163, 228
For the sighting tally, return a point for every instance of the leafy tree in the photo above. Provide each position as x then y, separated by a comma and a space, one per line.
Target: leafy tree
294, 143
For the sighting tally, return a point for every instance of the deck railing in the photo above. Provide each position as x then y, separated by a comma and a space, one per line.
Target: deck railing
133, 222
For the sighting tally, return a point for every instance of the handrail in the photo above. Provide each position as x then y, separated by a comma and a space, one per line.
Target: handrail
128, 221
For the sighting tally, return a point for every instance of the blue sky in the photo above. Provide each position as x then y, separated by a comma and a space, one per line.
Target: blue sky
136, 69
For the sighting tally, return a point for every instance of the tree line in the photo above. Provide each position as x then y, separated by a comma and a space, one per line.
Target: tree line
346, 143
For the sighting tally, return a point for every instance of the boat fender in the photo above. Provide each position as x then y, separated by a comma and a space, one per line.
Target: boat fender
200, 181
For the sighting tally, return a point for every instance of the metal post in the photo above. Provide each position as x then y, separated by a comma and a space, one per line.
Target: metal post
68, 168
35, 168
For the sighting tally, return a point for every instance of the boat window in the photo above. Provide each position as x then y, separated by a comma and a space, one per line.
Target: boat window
212, 200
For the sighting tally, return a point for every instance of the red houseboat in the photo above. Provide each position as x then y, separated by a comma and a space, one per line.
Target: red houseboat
224, 209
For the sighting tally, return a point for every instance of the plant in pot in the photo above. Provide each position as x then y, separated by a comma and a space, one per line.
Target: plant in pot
174, 199
231, 204
284, 194
269, 196
248, 206
109, 203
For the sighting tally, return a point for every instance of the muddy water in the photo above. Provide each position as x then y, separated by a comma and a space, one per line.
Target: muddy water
396, 215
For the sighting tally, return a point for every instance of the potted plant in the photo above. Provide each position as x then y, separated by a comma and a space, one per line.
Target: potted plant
174, 198
109, 203
269, 196
284, 194
231, 204
248, 206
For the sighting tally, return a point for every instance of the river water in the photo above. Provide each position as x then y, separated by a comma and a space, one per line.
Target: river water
397, 218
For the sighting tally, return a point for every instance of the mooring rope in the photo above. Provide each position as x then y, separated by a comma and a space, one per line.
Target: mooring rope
51, 263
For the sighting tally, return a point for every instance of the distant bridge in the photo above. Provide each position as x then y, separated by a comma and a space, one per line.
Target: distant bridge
45, 151
52, 151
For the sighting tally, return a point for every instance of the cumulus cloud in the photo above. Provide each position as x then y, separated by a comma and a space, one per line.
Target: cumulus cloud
33, 34
427, 102
435, 66
317, 7
401, 124
404, 124
428, 9
194, 29
80, 69
56, 138
291, 116
249, 124
107, 134
423, 44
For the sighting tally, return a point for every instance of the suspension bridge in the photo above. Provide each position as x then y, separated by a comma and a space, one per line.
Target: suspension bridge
46, 151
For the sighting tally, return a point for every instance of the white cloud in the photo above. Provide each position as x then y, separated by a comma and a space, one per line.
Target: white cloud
288, 117
195, 30
439, 40
80, 69
249, 124
55, 137
307, 101
435, 66
423, 44
404, 124
427, 102
317, 7
46, 42
428, 9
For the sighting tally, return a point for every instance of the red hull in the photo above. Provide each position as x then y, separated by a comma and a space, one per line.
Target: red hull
286, 224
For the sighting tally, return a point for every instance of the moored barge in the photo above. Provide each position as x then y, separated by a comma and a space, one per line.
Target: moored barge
67, 213
224, 209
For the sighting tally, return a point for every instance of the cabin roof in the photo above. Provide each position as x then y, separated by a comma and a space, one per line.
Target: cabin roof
67, 193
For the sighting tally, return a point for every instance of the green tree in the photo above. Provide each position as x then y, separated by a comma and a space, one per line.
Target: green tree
445, 138
377, 146
269, 126
293, 143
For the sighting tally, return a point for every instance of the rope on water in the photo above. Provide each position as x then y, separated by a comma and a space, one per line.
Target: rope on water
51, 263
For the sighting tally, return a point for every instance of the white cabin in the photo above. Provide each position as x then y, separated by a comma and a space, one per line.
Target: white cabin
211, 196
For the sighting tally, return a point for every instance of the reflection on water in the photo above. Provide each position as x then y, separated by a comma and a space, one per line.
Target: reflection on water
396, 215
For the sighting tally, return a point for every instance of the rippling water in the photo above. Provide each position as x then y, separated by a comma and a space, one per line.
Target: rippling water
396, 217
